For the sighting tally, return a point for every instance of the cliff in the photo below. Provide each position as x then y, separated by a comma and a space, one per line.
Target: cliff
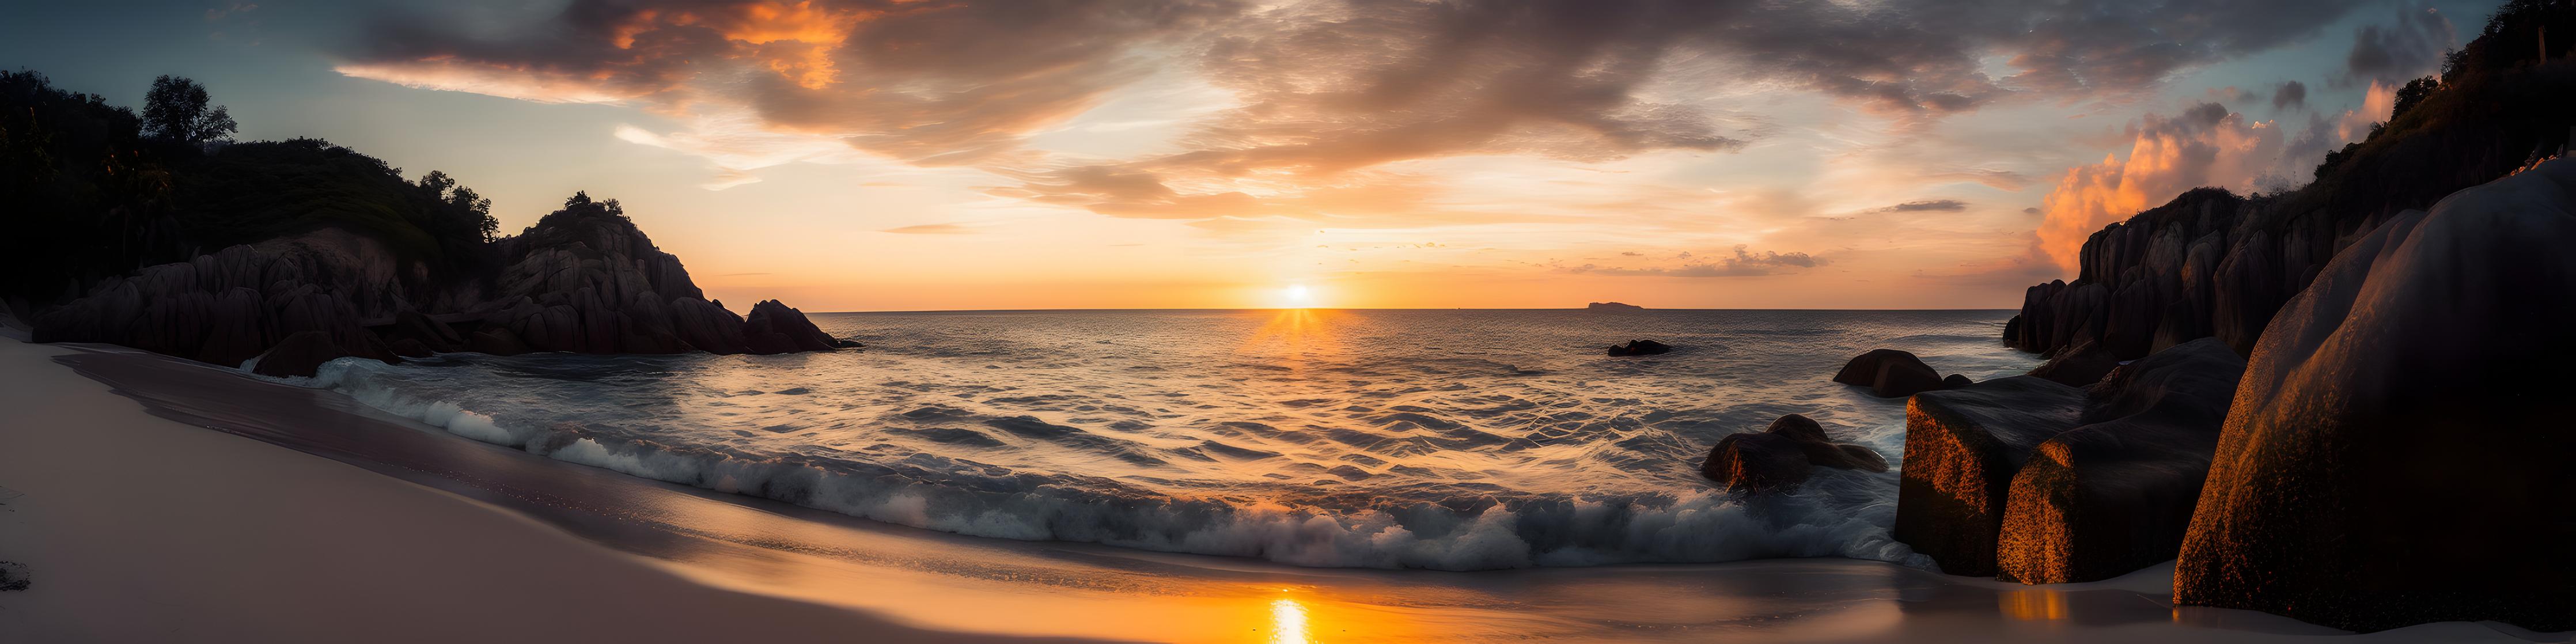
2214, 264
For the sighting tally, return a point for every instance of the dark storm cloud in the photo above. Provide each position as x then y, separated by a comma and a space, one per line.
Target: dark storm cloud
1322, 87
2292, 95
2408, 46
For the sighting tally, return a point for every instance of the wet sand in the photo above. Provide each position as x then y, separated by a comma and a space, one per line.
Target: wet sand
210, 505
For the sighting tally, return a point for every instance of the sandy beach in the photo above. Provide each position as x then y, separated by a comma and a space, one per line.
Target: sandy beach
208, 506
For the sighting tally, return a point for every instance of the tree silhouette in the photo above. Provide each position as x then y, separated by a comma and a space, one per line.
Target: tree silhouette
176, 109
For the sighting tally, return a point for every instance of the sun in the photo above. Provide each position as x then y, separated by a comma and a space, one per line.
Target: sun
1298, 296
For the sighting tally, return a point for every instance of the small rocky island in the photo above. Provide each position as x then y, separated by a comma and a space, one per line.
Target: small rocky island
1612, 307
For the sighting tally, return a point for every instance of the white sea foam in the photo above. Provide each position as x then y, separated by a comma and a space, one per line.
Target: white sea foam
1460, 461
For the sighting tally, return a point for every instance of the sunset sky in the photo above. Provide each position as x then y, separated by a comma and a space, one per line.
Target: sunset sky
938, 154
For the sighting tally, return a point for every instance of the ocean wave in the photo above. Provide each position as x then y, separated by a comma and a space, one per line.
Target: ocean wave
1379, 529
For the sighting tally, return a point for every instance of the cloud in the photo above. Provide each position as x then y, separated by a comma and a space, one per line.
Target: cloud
2409, 46
1324, 97
1743, 264
930, 229
2205, 145
1940, 205
2292, 95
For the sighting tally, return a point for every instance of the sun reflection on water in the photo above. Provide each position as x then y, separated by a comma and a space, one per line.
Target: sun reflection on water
1287, 622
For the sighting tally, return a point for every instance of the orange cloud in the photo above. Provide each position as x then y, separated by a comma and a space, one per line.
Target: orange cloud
2203, 146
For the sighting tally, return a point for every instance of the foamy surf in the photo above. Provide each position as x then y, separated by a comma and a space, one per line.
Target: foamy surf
1493, 468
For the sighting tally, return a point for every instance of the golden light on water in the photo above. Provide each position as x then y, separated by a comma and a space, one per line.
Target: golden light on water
1287, 622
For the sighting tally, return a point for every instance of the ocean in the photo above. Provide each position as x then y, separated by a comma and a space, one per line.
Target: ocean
1443, 439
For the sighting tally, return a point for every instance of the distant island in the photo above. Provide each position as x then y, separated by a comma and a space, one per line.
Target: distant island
1612, 306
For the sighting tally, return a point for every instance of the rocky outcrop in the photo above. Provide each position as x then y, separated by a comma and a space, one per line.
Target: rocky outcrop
1782, 456
1962, 448
774, 327
2116, 493
222, 308
1639, 348
2078, 365
2397, 453
582, 280
1889, 373
2214, 264
1612, 307
585, 280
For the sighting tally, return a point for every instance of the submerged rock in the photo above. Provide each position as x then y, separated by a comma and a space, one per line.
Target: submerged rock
1962, 447
1889, 373
1640, 348
2116, 494
1782, 456
1755, 462
2398, 452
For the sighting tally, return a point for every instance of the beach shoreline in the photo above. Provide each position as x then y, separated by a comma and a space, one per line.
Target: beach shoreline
340, 524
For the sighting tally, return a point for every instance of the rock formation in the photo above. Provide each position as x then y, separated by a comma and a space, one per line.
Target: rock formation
222, 308
2116, 493
1889, 373
1640, 348
1612, 307
1962, 447
2398, 452
583, 280
2079, 365
2214, 264
2032, 480
1782, 456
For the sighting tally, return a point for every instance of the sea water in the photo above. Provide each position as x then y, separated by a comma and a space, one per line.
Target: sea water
1447, 439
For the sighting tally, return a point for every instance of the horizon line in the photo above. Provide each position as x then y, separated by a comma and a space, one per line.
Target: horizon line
1354, 308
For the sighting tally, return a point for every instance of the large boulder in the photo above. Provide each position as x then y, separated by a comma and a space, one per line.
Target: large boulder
706, 325
2078, 365
2115, 494
1755, 462
1782, 456
1962, 447
774, 327
2398, 450
1889, 373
